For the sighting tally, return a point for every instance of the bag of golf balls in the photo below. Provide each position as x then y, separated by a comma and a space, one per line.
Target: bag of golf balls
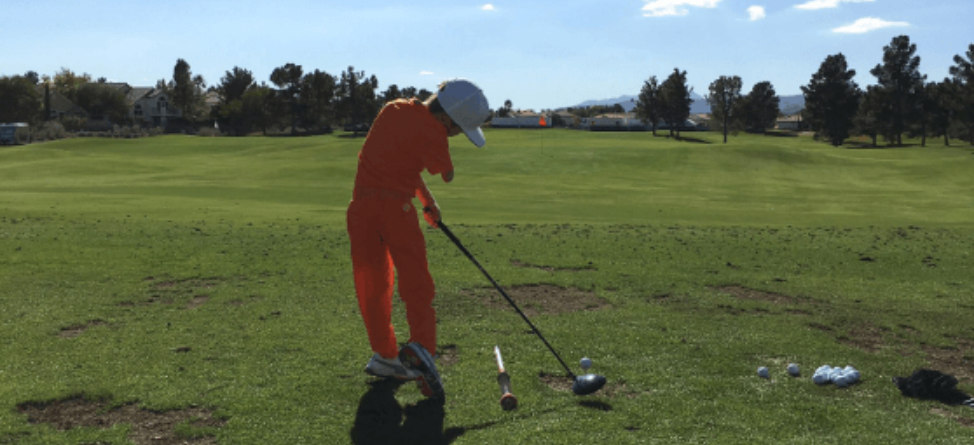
842, 377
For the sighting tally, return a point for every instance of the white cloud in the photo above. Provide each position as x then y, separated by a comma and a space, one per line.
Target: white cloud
426, 73
488, 7
756, 13
662, 8
812, 5
867, 24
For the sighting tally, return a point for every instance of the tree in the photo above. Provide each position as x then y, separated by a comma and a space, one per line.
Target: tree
230, 113
832, 99
32, 77
186, 91
505, 111
19, 101
101, 101
391, 93
963, 74
317, 101
357, 103
288, 79
234, 84
760, 108
941, 106
900, 78
410, 92
648, 107
675, 101
67, 82
257, 104
725, 94
866, 120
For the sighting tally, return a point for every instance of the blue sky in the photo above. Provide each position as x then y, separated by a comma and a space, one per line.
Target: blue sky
539, 54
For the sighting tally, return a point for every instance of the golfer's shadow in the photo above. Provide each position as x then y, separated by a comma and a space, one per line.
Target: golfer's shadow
380, 420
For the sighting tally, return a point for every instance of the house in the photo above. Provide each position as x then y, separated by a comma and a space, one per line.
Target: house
614, 122
60, 105
792, 122
148, 106
153, 109
522, 119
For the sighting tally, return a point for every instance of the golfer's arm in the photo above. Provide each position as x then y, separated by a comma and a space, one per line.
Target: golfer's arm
424, 194
423, 191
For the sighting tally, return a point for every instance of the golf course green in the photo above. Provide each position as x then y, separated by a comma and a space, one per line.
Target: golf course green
183, 289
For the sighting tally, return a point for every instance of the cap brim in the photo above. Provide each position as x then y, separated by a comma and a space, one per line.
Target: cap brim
476, 135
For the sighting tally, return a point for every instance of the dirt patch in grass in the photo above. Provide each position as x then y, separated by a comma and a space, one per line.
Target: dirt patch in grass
168, 291
561, 382
956, 360
197, 301
146, 426
191, 283
448, 355
519, 263
952, 416
78, 329
535, 299
865, 336
745, 293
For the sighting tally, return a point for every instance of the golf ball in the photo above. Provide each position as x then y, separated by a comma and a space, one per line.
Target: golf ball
793, 370
822, 375
763, 372
585, 362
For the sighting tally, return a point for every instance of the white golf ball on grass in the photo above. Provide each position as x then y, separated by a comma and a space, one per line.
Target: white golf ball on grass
585, 363
793, 370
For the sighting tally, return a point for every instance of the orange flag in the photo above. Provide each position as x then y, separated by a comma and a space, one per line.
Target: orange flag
542, 122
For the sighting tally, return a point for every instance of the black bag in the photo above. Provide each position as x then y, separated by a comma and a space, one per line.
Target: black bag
928, 384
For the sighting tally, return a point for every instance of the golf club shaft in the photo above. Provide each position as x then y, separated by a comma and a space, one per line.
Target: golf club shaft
456, 241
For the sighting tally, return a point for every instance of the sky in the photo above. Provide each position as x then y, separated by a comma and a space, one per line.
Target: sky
538, 54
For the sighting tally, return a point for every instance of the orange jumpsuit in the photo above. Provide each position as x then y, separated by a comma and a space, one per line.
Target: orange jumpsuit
383, 226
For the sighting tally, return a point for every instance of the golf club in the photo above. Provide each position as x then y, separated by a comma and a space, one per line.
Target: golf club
582, 385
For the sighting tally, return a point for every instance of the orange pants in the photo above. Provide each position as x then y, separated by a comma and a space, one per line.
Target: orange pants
384, 232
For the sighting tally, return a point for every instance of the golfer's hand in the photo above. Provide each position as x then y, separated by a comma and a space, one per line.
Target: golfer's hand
431, 214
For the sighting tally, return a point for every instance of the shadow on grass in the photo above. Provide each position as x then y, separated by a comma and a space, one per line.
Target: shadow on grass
780, 133
683, 138
597, 405
381, 420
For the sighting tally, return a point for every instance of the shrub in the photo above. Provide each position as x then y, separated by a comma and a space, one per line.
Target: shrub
208, 132
49, 131
22, 135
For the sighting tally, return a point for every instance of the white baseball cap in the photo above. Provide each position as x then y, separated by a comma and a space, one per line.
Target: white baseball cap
465, 103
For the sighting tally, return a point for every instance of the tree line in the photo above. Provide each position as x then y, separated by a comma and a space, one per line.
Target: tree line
669, 102
299, 101
901, 102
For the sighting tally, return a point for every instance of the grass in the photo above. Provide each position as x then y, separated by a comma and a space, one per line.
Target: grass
182, 272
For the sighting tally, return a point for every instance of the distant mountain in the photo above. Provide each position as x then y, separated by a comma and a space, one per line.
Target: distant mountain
698, 106
627, 102
788, 104
791, 104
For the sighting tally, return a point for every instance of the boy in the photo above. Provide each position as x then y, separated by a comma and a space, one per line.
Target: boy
407, 137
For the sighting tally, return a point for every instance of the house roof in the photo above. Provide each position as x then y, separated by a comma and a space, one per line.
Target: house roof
59, 102
136, 93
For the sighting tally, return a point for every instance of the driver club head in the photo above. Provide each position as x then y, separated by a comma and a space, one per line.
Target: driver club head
588, 384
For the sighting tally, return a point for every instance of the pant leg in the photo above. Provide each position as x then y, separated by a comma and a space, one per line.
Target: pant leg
407, 247
374, 274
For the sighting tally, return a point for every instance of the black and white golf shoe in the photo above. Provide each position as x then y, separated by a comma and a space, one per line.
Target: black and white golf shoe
415, 356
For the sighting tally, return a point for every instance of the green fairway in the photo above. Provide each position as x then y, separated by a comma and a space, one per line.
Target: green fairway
198, 290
